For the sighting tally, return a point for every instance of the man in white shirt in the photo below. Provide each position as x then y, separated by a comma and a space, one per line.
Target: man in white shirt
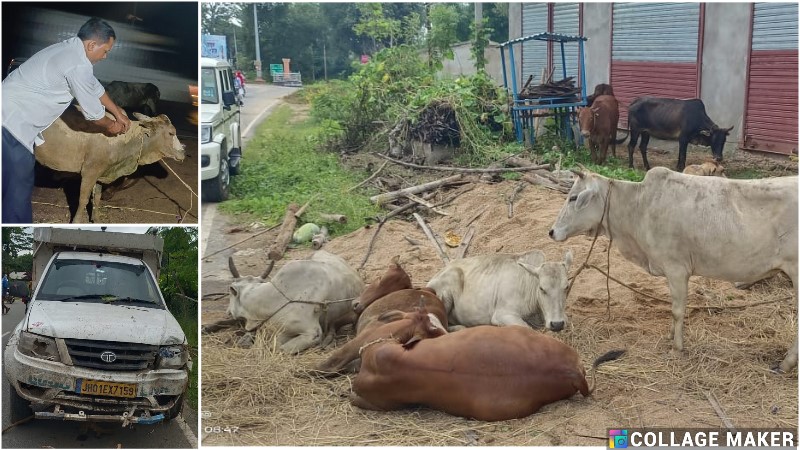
36, 94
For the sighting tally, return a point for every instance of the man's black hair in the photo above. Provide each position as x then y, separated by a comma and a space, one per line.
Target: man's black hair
97, 29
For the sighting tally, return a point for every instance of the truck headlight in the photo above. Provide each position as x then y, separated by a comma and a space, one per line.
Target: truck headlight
37, 346
205, 134
172, 356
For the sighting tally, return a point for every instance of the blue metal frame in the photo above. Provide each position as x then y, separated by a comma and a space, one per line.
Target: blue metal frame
522, 110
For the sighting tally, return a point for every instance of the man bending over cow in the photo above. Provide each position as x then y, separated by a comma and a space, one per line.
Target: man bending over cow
36, 94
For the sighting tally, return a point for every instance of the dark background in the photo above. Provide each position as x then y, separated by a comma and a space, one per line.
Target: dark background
174, 20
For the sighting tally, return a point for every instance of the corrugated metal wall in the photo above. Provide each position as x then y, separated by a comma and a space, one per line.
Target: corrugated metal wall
566, 20
534, 53
771, 110
654, 51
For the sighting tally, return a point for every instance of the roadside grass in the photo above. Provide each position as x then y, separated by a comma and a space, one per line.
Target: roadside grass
281, 166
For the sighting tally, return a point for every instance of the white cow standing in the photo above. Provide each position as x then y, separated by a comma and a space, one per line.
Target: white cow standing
308, 300
675, 225
504, 289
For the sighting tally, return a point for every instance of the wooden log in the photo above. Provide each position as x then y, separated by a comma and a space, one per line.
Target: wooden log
339, 218
462, 248
389, 196
463, 170
285, 233
319, 239
432, 238
368, 179
304, 207
533, 178
426, 204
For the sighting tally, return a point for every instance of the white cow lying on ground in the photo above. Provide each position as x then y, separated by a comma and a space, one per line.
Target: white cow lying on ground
504, 289
677, 225
303, 299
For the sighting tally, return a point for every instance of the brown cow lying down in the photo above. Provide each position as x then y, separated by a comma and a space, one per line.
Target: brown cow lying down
391, 293
74, 145
708, 168
487, 373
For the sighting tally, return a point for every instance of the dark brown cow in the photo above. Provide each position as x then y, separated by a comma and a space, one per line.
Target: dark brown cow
487, 373
600, 89
599, 127
393, 297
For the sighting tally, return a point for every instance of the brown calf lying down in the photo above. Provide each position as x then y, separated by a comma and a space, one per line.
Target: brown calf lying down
708, 168
390, 293
487, 373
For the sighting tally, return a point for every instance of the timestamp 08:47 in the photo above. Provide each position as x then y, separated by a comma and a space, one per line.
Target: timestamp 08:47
218, 429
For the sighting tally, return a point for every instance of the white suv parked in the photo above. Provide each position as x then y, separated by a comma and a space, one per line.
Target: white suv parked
221, 137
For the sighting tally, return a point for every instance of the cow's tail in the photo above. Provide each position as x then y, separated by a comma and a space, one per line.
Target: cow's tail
620, 141
608, 356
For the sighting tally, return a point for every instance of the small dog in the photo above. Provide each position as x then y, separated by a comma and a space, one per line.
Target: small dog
708, 169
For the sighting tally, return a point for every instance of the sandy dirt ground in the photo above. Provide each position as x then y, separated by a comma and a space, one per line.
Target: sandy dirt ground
157, 196
732, 339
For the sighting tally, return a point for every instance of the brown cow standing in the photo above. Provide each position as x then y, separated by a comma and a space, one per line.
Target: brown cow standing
391, 293
600, 89
599, 127
487, 373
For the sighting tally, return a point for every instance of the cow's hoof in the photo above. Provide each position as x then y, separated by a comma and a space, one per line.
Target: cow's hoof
776, 369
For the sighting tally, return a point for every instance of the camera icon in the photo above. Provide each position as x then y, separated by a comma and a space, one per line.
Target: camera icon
617, 438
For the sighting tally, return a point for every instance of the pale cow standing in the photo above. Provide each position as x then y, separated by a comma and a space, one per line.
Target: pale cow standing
504, 289
675, 225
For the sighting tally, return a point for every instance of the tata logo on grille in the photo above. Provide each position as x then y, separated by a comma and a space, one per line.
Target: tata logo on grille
108, 357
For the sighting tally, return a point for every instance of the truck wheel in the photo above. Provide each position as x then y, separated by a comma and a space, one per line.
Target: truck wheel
175, 410
20, 408
218, 188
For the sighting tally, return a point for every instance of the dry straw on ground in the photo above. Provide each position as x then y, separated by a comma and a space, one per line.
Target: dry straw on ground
274, 401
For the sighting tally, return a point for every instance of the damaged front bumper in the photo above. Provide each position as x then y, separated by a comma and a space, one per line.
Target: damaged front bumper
51, 384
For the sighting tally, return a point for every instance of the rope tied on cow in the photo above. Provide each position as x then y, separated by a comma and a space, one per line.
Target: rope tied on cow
607, 217
376, 341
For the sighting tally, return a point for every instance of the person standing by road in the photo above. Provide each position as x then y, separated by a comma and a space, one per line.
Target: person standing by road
5, 293
37, 93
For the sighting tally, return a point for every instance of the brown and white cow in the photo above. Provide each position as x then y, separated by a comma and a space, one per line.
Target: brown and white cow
675, 225
392, 292
504, 289
486, 373
74, 145
599, 127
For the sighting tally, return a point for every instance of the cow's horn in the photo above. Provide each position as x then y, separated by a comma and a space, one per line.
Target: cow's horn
232, 267
728, 130
268, 269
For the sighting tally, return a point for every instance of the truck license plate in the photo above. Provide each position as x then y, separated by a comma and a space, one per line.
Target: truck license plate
91, 387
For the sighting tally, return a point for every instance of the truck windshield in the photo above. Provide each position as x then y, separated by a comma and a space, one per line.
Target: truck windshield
99, 282
208, 91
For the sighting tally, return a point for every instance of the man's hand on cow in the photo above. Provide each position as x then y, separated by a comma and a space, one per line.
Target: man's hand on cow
124, 121
115, 128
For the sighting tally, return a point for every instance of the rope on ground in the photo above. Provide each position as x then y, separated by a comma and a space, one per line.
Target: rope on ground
191, 200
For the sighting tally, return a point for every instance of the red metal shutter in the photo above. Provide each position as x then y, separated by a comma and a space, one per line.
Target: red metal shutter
654, 51
771, 112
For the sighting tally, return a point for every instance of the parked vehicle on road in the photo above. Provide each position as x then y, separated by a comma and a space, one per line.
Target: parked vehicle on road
221, 137
97, 342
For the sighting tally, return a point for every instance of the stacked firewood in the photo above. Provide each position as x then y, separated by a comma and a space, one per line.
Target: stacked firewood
563, 88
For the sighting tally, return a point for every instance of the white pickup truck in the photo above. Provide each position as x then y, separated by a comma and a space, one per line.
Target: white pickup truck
97, 342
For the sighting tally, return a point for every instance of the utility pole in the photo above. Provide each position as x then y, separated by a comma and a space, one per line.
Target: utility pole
478, 13
258, 47
235, 49
325, 60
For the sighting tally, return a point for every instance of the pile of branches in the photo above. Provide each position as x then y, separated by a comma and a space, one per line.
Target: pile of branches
563, 88
437, 124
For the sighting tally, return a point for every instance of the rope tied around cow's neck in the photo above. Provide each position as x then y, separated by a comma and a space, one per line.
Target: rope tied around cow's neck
376, 341
607, 217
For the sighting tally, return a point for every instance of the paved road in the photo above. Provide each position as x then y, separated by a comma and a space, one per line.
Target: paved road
54, 434
259, 102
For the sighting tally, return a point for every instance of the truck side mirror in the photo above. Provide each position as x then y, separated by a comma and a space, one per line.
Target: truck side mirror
228, 99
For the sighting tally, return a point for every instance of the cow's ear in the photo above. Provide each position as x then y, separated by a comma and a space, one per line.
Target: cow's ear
234, 292
568, 259
410, 343
584, 198
532, 270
